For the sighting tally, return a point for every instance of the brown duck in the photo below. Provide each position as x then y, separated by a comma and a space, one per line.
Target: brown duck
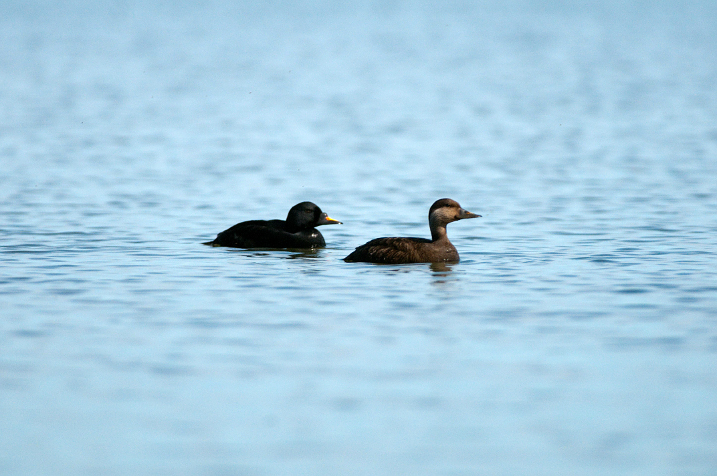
417, 250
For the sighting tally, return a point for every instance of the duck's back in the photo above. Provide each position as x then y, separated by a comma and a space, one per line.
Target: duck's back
403, 250
267, 234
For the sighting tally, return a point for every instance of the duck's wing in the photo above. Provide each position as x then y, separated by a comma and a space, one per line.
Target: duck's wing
255, 234
389, 251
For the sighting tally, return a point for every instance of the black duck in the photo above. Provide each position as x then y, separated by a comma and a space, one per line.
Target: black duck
297, 231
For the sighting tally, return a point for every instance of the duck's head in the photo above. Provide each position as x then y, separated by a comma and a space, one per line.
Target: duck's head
305, 215
445, 211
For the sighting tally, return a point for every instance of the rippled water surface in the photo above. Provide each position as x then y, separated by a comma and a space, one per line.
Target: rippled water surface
578, 334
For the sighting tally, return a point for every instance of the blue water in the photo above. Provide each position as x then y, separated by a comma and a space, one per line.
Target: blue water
578, 334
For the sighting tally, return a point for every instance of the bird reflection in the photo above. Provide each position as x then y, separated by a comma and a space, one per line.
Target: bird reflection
441, 272
303, 253
442, 269
291, 253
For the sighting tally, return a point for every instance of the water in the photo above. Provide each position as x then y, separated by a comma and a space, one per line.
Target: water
577, 335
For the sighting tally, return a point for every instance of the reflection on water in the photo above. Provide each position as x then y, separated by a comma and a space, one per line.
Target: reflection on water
441, 269
286, 253
442, 273
303, 254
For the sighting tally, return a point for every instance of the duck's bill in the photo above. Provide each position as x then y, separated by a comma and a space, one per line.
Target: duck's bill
466, 214
327, 220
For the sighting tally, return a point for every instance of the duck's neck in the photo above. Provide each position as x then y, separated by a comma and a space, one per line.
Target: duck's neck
438, 230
